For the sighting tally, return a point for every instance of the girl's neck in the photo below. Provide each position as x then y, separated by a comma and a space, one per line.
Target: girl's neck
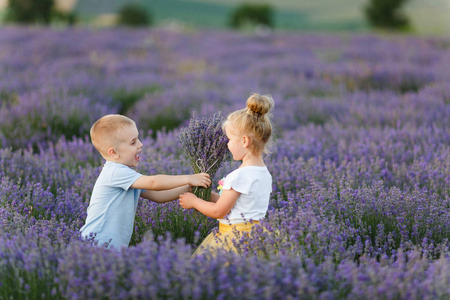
252, 160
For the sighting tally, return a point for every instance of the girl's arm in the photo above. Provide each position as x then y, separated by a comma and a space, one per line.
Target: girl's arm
216, 210
166, 182
167, 195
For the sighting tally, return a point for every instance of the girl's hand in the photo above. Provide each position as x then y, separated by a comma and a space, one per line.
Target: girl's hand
187, 200
200, 179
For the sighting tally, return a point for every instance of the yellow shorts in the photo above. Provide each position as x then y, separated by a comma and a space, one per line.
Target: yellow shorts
224, 238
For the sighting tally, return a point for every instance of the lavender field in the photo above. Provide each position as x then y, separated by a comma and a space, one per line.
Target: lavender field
361, 163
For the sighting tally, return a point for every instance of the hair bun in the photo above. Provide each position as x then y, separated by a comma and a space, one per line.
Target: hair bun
259, 104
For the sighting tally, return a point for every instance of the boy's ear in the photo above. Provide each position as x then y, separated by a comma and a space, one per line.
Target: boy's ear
112, 153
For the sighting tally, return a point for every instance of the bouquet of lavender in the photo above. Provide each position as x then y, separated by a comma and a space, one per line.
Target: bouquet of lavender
205, 144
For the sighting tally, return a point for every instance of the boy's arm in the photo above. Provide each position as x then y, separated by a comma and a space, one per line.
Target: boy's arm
166, 182
167, 195
214, 197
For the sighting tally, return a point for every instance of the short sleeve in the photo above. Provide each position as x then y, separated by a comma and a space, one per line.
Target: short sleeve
238, 182
123, 177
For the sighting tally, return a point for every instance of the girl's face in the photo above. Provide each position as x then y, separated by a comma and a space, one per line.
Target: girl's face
236, 143
129, 146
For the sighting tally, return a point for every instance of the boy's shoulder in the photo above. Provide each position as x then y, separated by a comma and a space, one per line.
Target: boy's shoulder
116, 169
117, 175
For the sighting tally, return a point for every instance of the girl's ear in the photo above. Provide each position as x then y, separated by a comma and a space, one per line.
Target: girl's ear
112, 153
245, 141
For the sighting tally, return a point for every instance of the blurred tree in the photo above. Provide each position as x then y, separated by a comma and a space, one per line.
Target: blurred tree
30, 11
255, 14
67, 17
386, 14
135, 15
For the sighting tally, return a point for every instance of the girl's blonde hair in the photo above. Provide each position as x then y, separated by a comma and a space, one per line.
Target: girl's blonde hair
254, 121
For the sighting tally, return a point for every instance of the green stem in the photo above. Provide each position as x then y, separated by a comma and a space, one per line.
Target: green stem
202, 193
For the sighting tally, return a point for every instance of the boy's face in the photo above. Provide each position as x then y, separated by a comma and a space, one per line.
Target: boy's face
128, 146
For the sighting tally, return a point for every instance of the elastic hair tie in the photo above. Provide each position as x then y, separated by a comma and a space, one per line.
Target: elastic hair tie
253, 113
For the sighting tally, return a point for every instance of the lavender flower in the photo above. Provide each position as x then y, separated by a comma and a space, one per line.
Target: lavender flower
205, 144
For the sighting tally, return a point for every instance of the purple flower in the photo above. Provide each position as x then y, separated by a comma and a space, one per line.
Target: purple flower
205, 144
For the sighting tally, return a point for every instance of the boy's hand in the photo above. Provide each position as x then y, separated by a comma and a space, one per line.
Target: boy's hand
187, 200
200, 179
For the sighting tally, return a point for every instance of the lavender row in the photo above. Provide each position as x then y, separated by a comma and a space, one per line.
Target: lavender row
57, 182
403, 158
29, 119
80, 271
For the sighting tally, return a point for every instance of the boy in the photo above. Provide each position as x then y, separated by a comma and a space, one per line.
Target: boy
114, 199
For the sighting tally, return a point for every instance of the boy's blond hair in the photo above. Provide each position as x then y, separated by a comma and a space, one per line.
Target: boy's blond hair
254, 121
103, 132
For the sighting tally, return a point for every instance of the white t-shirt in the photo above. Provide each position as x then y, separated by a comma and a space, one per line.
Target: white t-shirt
113, 205
254, 185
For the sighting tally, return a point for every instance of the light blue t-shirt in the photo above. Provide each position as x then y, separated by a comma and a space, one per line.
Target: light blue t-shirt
113, 205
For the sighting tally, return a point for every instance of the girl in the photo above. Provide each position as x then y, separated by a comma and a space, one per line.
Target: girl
244, 199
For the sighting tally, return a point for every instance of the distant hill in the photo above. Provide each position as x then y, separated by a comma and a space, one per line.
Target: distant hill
214, 14
427, 16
